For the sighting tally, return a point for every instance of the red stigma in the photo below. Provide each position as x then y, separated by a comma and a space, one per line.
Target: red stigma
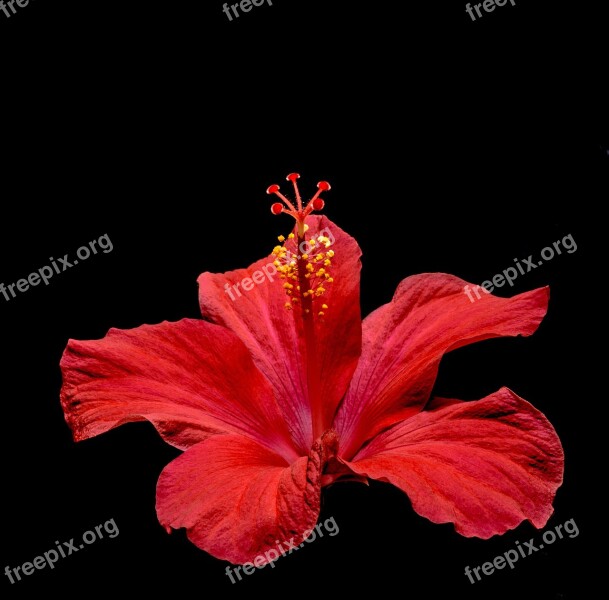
296, 209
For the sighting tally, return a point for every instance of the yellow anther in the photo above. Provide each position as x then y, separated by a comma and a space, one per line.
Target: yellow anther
288, 286
319, 257
330, 279
320, 272
306, 227
291, 236
310, 267
324, 306
308, 275
327, 275
281, 238
288, 305
330, 253
312, 243
305, 256
295, 300
321, 313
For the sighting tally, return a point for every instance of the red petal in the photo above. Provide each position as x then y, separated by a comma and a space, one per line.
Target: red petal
485, 466
273, 334
403, 342
190, 379
238, 501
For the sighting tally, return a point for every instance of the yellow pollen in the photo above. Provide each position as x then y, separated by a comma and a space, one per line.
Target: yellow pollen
314, 266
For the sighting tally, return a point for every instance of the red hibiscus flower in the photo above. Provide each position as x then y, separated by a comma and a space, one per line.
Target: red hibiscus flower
282, 390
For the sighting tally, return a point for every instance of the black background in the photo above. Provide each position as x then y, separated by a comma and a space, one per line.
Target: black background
451, 146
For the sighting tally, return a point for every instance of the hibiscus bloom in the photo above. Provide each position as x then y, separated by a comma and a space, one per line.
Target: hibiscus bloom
282, 390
